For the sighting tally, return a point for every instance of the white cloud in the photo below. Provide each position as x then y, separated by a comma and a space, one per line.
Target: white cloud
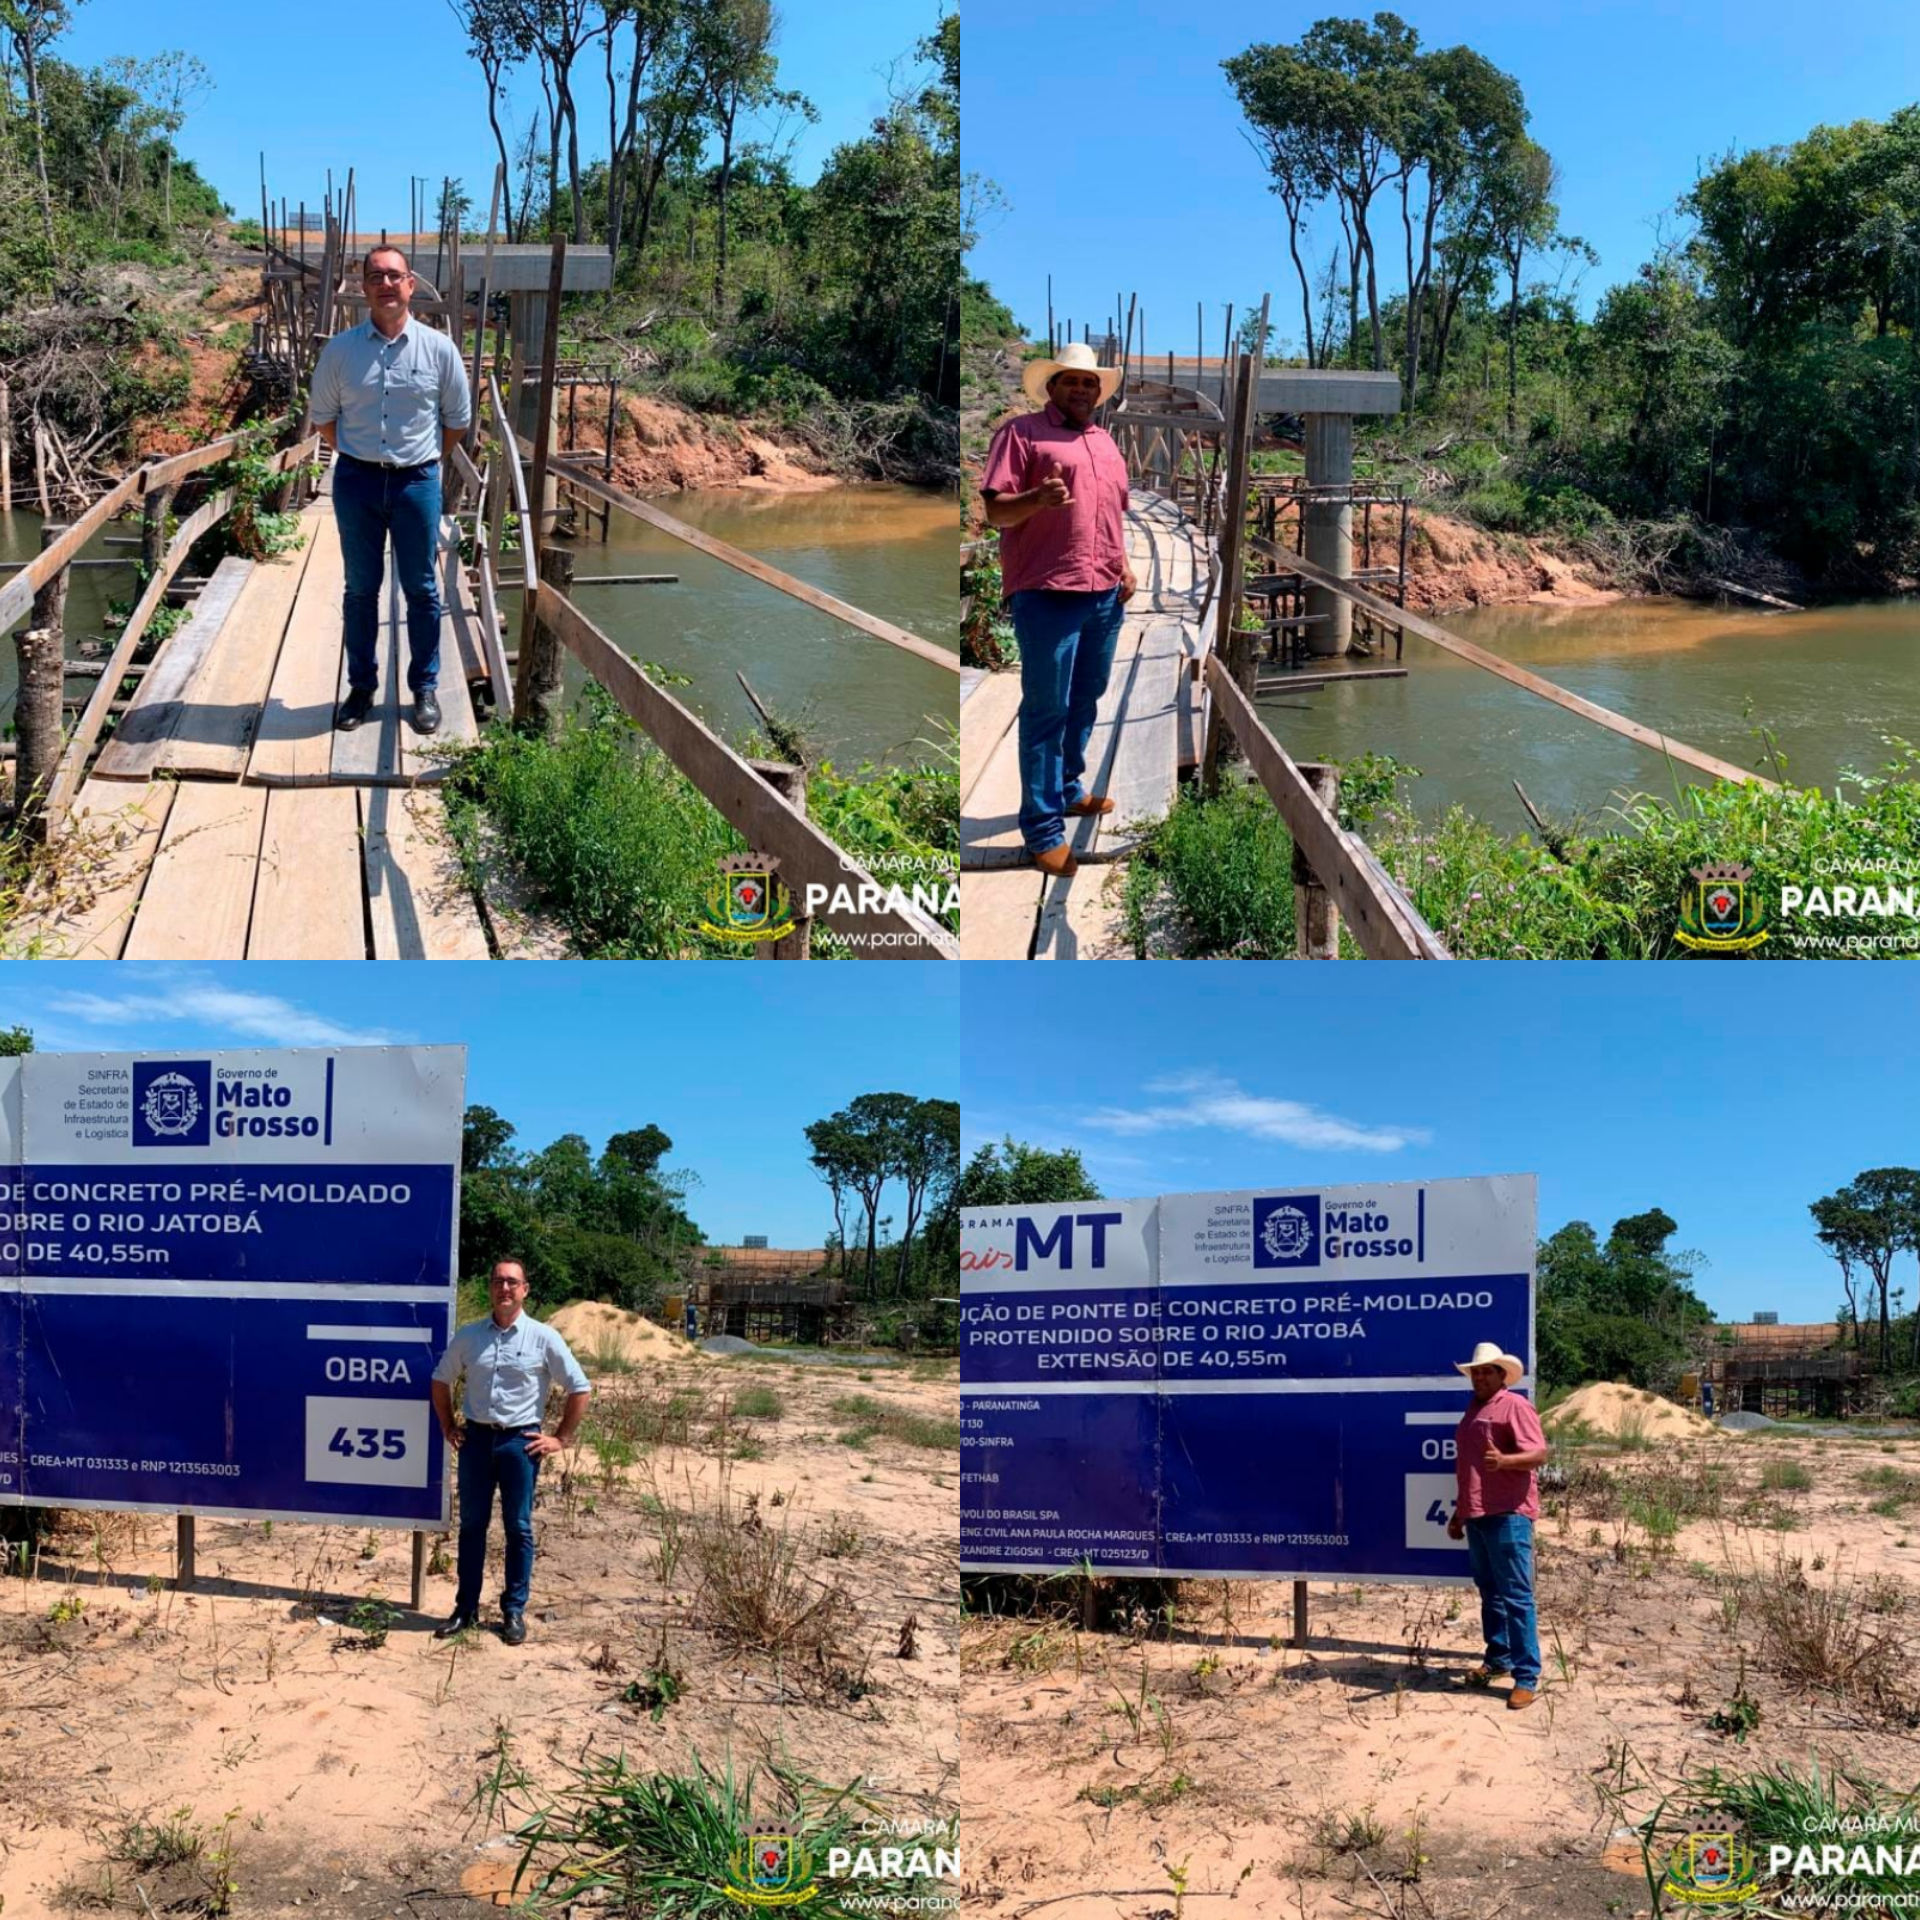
1207, 1100
233, 1011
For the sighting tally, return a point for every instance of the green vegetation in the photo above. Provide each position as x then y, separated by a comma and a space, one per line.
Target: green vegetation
738, 288
1014, 1174
1759, 377
1619, 1309
879, 1139
626, 850
1214, 879
661, 1845
871, 1417
604, 1228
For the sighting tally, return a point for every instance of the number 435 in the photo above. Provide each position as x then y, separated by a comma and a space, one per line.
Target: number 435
372, 1445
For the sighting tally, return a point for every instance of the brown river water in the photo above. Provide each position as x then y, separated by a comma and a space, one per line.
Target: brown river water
891, 551
1827, 683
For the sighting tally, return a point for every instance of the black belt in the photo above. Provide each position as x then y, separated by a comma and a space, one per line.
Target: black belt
382, 466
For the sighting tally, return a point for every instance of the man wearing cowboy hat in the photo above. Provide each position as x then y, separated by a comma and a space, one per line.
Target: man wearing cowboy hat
1056, 487
1496, 1448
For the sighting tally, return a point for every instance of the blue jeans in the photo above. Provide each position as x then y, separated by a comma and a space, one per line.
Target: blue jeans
490, 1459
1066, 653
369, 503
1500, 1552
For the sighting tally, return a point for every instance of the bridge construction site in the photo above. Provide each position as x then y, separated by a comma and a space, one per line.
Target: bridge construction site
203, 803
1248, 583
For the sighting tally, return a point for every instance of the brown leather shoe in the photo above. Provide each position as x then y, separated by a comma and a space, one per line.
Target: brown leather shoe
1521, 1697
1093, 803
1058, 861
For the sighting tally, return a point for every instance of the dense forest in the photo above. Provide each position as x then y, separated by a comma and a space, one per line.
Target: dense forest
1761, 371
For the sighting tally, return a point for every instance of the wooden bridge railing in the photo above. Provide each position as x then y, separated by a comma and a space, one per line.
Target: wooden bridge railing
48, 768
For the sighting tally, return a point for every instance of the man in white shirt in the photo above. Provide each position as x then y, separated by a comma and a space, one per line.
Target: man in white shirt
510, 1361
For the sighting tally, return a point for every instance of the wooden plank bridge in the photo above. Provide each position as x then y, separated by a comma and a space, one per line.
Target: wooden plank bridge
216, 814
1184, 681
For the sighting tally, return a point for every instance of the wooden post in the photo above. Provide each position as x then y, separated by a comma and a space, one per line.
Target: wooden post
183, 1553
535, 698
1299, 1613
1232, 532
419, 1569
38, 705
790, 783
1316, 919
537, 487
153, 529
606, 464
480, 318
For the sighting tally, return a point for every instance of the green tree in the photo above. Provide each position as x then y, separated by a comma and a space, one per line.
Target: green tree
1869, 1223
1015, 1174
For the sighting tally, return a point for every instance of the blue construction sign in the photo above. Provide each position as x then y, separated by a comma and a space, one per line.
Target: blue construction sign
225, 1279
1249, 1385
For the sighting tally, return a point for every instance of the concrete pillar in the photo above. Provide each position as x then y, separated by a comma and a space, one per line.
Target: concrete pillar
1328, 530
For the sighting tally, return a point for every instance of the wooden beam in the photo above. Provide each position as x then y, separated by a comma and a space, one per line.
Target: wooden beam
806, 855
166, 473
18, 594
652, 516
74, 760
1414, 623
1385, 926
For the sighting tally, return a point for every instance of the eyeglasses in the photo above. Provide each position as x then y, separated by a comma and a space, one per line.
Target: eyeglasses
403, 274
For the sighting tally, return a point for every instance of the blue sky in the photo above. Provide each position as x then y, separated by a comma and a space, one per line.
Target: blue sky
732, 1060
1119, 145
1730, 1096
390, 91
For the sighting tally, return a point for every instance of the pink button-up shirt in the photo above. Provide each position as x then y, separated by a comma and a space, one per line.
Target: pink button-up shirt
1507, 1424
1076, 549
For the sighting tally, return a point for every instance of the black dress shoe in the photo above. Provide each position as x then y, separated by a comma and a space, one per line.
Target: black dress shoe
353, 709
426, 711
513, 1629
460, 1623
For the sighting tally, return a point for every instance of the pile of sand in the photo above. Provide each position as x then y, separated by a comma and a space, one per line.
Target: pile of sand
1605, 1407
592, 1326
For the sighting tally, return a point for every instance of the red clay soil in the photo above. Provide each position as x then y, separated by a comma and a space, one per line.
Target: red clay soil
659, 447
207, 412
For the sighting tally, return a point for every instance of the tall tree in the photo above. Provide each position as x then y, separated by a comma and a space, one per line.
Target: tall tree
1870, 1221
496, 40
737, 68
33, 26
929, 1155
1521, 216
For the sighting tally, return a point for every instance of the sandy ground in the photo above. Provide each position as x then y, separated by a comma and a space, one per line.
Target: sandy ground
1098, 1767
351, 1771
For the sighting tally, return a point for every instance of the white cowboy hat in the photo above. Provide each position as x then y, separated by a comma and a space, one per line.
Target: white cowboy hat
1488, 1354
1075, 357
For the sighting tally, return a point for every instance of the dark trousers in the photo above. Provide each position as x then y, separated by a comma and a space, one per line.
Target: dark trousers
490, 1459
1067, 643
369, 505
